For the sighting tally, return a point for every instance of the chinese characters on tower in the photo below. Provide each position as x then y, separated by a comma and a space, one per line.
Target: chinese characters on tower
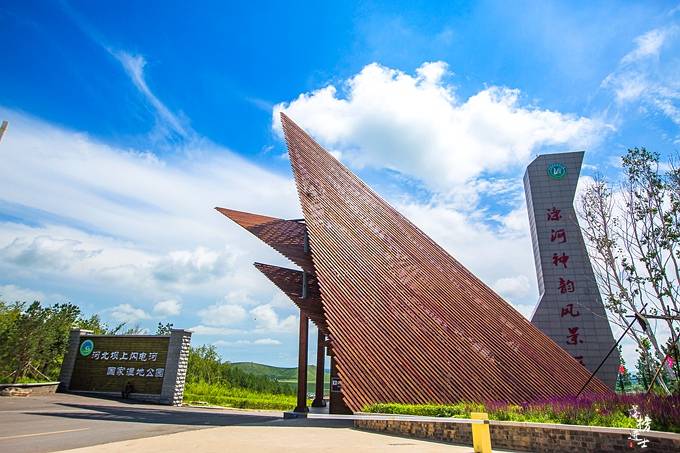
560, 258
570, 309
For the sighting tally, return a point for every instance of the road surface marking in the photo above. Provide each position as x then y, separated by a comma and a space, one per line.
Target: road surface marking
43, 434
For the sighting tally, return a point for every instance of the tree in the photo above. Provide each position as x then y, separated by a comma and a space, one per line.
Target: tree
95, 324
9, 315
164, 329
206, 366
633, 232
624, 380
35, 338
645, 369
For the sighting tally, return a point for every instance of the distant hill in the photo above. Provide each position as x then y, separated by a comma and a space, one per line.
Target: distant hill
280, 374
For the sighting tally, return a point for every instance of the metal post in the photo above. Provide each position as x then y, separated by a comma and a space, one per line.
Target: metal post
304, 285
334, 397
302, 365
656, 375
608, 354
320, 363
481, 434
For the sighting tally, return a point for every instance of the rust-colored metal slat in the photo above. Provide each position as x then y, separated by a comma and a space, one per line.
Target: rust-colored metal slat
290, 282
285, 236
406, 322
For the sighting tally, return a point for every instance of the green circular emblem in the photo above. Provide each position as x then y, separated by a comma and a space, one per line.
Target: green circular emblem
86, 347
557, 171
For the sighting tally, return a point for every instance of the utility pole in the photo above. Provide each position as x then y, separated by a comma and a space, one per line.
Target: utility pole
3, 128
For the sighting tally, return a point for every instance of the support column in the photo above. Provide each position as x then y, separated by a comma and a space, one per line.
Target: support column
338, 405
172, 391
320, 363
70, 358
302, 365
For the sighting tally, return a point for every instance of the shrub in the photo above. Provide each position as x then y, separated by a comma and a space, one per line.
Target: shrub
594, 410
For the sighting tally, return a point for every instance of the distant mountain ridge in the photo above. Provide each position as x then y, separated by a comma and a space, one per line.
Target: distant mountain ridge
278, 373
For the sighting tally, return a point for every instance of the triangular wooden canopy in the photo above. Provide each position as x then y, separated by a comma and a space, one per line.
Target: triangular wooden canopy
407, 322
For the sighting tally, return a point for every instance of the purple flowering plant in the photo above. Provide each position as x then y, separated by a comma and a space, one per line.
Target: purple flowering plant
596, 410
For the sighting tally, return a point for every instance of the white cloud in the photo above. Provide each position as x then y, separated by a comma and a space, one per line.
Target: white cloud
112, 221
45, 252
258, 342
13, 293
243, 296
513, 287
649, 44
266, 341
127, 313
170, 307
668, 106
648, 74
432, 73
209, 330
231, 343
466, 151
121, 221
168, 124
267, 320
417, 126
222, 314
627, 86
194, 266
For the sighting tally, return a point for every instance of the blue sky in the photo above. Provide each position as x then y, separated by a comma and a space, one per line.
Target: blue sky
129, 122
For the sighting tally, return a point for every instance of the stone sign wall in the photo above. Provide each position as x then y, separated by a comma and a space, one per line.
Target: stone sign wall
148, 367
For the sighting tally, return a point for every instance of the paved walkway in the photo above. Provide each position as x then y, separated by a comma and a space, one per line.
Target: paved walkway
77, 423
60, 422
275, 439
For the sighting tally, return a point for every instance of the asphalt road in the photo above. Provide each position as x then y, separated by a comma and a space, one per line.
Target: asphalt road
61, 422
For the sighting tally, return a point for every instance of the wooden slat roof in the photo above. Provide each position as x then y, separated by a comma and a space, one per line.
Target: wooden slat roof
285, 236
290, 282
408, 322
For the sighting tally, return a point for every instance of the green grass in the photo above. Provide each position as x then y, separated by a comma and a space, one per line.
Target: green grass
509, 413
23, 380
221, 395
311, 385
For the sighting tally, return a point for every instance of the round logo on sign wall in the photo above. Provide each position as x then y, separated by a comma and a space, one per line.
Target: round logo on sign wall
86, 347
557, 171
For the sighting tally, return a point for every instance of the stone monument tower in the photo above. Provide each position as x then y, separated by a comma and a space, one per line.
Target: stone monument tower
569, 310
